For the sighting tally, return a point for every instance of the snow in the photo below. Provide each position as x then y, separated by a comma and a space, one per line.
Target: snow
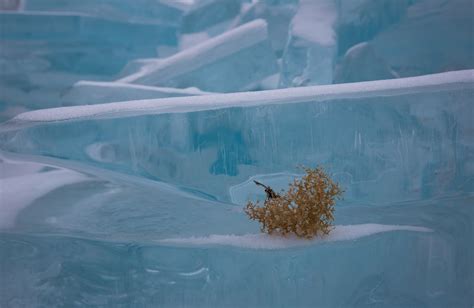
265, 241
106, 84
14, 196
94, 92
435, 82
314, 21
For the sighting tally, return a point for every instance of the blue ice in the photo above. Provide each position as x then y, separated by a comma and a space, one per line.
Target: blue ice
131, 133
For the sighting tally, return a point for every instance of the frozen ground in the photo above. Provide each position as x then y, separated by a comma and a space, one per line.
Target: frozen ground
131, 133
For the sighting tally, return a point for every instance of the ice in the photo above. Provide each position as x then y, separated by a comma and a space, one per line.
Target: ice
243, 53
125, 169
44, 53
324, 32
209, 15
394, 268
79, 200
72, 27
142, 11
447, 45
10, 5
361, 63
95, 92
395, 143
309, 55
362, 20
277, 16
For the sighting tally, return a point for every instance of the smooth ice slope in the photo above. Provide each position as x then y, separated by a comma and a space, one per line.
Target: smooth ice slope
94, 92
234, 61
383, 140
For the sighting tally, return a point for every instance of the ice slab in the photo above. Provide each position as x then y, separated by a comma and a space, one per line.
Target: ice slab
88, 58
22, 91
74, 43
278, 17
70, 27
204, 14
11, 5
412, 37
362, 20
385, 140
96, 92
309, 56
243, 53
143, 11
361, 63
433, 36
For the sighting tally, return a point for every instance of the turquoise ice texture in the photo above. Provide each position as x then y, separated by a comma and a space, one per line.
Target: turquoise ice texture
130, 191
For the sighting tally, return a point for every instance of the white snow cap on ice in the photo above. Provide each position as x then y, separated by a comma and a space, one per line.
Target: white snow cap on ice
265, 241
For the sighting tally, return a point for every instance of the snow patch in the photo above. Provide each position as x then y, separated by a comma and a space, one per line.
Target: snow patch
16, 193
314, 21
265, 241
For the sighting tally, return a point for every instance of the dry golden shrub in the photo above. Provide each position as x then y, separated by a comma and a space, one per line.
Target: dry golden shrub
306, 209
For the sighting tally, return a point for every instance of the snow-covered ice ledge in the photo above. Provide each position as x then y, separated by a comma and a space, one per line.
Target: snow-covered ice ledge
265, 241
435, 82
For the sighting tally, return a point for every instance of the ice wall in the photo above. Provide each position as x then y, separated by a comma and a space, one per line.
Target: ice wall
383, 140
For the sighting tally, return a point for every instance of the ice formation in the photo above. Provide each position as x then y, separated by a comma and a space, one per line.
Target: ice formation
95, 92
361, 63
348, 127
310, 52
243, 53
131, 133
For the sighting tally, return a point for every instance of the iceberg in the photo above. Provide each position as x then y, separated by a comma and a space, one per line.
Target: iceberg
244, 53
394, 144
